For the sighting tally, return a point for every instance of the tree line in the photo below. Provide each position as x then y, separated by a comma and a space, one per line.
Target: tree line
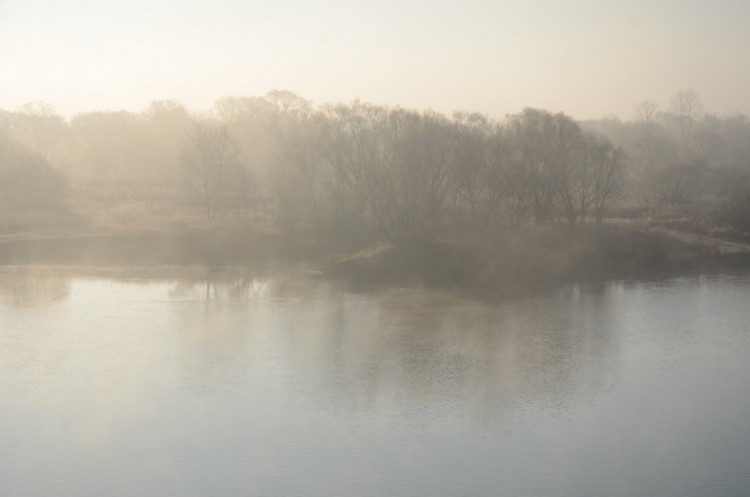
352, 172
410, 174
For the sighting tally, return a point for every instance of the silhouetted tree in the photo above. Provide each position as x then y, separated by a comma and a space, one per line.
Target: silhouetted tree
646, 111
607, 168
210, 157
548, 148
685, 109
476, 177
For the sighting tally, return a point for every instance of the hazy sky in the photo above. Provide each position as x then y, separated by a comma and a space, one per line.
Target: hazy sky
586, 58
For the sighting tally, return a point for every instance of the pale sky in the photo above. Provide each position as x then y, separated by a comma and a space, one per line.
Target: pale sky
587, 58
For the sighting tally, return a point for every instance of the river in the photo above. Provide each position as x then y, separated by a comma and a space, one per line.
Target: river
284, 385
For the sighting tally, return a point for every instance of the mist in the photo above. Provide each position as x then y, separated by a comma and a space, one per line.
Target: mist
587, 59
366, 191
347, 248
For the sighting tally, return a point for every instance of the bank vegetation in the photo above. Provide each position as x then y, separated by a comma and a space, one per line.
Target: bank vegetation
378, 194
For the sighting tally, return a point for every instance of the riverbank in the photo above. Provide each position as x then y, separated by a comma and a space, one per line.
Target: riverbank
523, 261
511, 262
144, 248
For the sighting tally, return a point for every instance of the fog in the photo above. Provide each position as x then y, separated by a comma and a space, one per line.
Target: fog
358, 248
368, 190
586, 58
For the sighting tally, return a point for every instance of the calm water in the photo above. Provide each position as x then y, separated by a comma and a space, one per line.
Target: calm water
284, 386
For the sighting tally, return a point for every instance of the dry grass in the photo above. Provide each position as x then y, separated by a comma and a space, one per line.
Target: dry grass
521, 260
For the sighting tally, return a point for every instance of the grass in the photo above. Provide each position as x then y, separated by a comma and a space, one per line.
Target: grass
523, 260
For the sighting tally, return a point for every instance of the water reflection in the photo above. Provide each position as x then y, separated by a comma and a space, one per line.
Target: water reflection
280, 384
248, 287
24, 287
403, 351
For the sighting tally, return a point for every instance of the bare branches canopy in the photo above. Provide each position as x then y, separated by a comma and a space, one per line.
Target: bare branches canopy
210, 157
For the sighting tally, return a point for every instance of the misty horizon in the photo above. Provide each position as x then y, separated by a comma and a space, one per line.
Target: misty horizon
659, 108
587, 59
395, 248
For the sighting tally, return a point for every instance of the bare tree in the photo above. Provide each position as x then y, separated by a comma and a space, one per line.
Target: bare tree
608, 174
548, 146
477, 168
653, 145
650, 139
347, 135
571, 168
252, 202
209, 158
299, 150
677, 183
517, 180
646, 111
415, 178
532, 132
686, 108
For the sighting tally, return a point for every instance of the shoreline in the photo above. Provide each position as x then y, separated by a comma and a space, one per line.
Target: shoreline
522, 263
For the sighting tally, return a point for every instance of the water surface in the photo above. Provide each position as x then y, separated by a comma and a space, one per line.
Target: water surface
286, 386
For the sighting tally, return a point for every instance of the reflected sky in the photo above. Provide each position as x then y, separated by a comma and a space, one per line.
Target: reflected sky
283, 385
